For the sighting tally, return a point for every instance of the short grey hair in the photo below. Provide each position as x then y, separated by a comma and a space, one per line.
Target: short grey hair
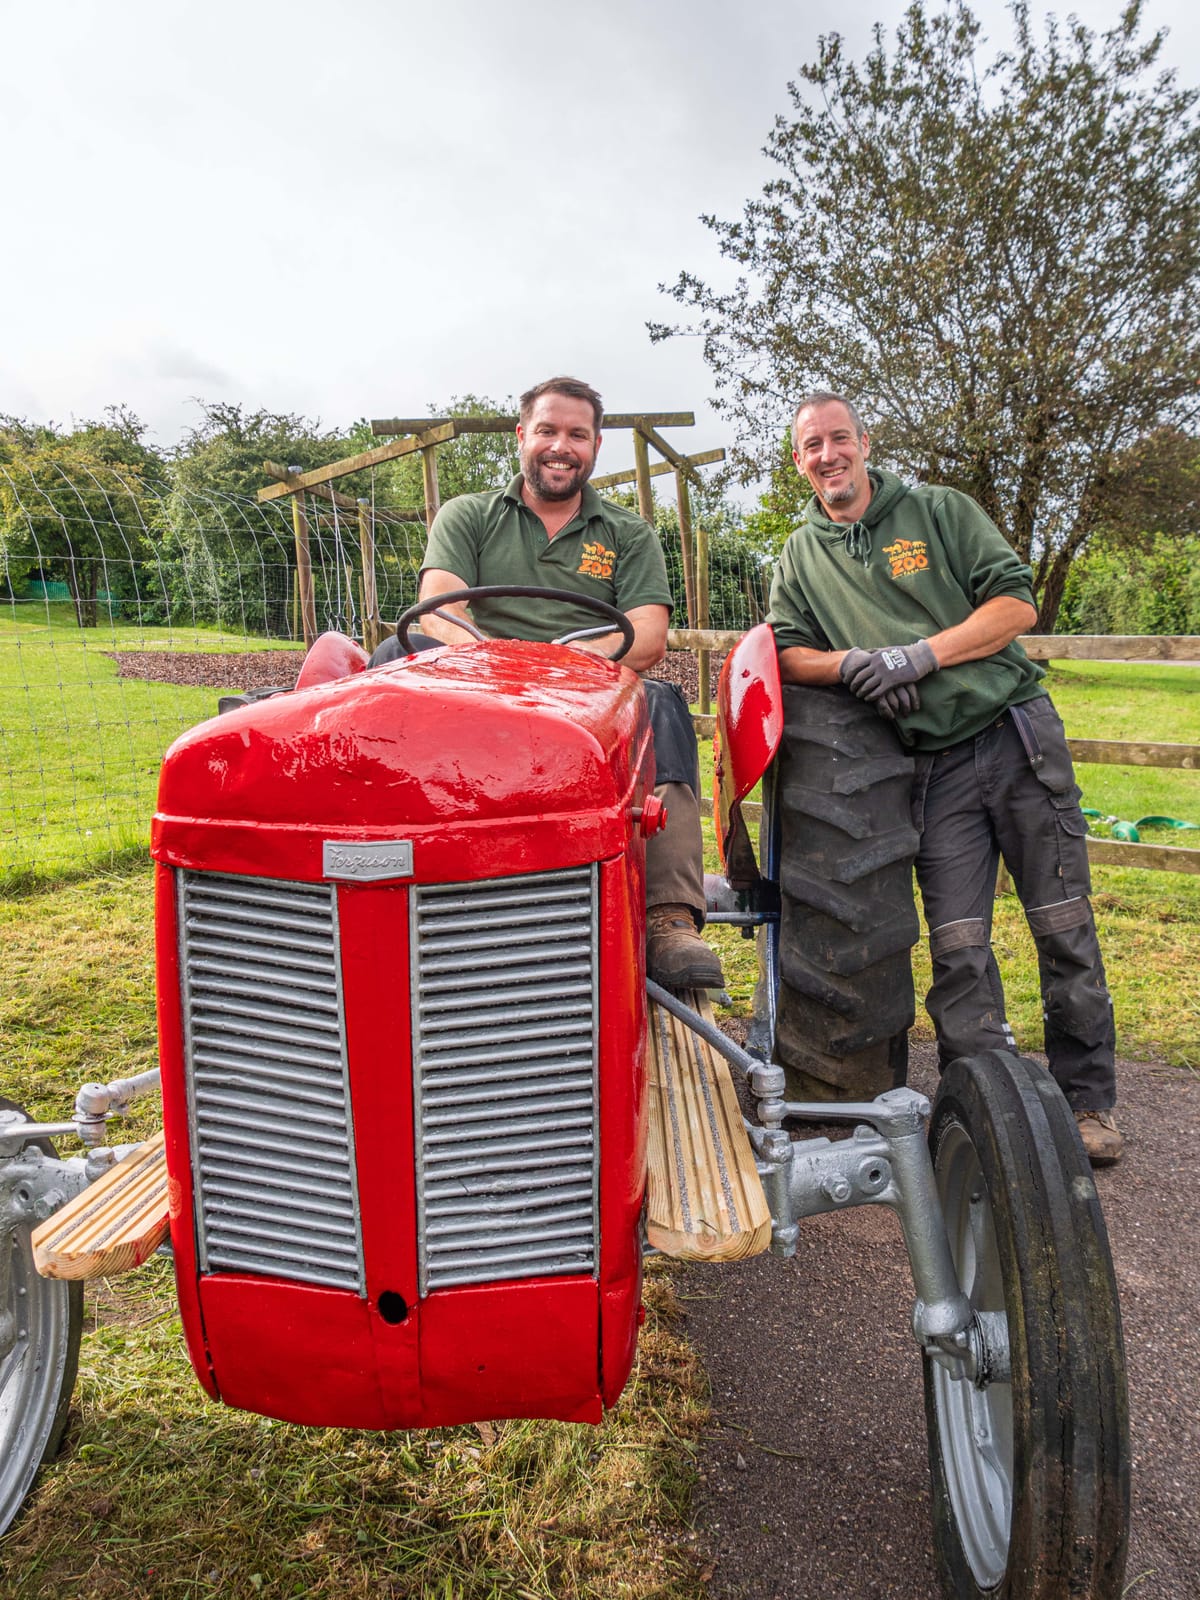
826, 397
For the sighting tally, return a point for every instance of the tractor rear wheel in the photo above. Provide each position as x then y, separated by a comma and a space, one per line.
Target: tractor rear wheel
37, 1375
848, 919
1030, 1462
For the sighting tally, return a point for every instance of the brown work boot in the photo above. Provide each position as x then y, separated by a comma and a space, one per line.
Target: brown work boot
1103, 1141
676, 955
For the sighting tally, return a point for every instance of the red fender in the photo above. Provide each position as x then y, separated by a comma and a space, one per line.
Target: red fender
749, 729
332, 656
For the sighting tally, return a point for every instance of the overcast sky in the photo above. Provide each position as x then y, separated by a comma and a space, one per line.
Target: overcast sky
356, 210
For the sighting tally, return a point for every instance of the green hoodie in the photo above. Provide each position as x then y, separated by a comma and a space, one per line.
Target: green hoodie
919, 560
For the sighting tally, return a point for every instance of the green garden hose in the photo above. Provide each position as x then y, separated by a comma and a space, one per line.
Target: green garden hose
1130, 832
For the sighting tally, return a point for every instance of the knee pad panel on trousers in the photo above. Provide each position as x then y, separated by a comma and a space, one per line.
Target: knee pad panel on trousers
1057, 918
966, 933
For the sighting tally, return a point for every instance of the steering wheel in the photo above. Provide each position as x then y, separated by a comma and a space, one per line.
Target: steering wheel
615, 621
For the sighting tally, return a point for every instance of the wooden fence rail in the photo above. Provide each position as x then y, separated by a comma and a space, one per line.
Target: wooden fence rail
1115, 752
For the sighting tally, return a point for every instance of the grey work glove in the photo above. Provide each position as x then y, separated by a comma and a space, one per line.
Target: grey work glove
901, 701
871, 673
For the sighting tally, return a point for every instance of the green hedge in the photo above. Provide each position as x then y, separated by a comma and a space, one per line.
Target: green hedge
1155, 589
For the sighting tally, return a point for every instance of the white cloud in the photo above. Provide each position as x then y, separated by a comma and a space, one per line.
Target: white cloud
356, 217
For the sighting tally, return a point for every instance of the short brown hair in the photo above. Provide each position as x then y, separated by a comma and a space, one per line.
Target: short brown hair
826, 397
573, 388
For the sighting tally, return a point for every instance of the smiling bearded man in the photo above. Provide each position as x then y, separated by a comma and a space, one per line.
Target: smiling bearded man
550, 530
913, 599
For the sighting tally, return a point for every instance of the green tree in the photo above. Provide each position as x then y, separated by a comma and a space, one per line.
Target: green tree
999, 262
467, 465
781, 505
223, 454
224, 557
79, 504
1152, 586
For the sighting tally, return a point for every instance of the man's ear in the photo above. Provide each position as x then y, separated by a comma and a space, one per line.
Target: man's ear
866, 446
520, 434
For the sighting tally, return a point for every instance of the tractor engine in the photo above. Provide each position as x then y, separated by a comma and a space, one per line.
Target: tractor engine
400, 931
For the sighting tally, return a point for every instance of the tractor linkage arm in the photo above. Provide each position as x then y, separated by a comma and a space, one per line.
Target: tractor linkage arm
95, 1104
886, 1162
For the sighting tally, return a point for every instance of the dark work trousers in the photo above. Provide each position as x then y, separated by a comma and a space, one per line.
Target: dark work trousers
973, 803
675, 857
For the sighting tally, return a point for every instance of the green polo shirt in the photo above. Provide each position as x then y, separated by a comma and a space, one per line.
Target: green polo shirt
605, 551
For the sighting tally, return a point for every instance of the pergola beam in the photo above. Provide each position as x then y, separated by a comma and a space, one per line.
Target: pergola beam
274, 469
370, 458
652, 436
619, 419
704, 458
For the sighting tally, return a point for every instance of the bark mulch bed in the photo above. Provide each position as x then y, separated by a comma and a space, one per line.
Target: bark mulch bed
247, 669
264, 669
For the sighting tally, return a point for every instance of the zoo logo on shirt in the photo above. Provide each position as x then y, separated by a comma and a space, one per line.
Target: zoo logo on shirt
597, 562
906, 556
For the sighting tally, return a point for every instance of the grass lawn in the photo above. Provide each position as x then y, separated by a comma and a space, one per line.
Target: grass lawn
80, 748
161, 1493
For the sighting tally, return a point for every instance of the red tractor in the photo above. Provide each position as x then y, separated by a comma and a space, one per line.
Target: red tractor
404, 1068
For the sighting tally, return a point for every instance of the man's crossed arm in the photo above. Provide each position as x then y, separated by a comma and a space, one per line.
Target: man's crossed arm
989, 628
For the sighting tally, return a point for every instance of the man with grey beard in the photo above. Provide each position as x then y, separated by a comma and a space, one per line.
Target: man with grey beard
912, 598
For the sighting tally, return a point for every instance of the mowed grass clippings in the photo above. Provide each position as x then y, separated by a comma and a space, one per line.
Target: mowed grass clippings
77, 987
159, 1492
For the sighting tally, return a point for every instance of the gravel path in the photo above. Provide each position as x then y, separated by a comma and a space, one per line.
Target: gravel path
814, 1477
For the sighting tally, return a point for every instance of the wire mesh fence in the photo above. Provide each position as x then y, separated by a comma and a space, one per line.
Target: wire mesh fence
127, 608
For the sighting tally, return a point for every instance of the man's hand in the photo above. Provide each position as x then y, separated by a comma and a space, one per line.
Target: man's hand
870, 674
901, 701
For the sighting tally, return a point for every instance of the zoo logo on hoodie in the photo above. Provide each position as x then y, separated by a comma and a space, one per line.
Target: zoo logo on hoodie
906, 556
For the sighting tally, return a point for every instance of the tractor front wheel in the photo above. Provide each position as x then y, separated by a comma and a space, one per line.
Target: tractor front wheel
44, 1320
1030, 1462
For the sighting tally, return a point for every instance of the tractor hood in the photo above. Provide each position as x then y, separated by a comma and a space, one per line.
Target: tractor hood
435, 750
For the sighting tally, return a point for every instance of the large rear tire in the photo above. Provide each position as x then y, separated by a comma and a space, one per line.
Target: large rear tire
38, 1374
847, 919
1031, 1467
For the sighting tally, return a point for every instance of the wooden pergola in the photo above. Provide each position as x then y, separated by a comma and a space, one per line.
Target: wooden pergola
410, 435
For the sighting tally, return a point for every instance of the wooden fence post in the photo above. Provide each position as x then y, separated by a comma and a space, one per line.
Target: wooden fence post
696, 540
304, 581
370, 595
429, 476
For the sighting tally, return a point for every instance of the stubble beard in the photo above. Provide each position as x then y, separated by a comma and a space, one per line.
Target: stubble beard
552, 490
839, 496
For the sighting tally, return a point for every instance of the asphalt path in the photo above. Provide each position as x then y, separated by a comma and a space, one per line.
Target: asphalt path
814, 1473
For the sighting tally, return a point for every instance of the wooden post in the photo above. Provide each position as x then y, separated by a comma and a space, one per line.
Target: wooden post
694, 546
700, 544
304, 582
641, 464
429, 475
370, 595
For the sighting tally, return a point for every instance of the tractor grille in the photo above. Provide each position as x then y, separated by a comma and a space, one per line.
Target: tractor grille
272, 1138
504, 1060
